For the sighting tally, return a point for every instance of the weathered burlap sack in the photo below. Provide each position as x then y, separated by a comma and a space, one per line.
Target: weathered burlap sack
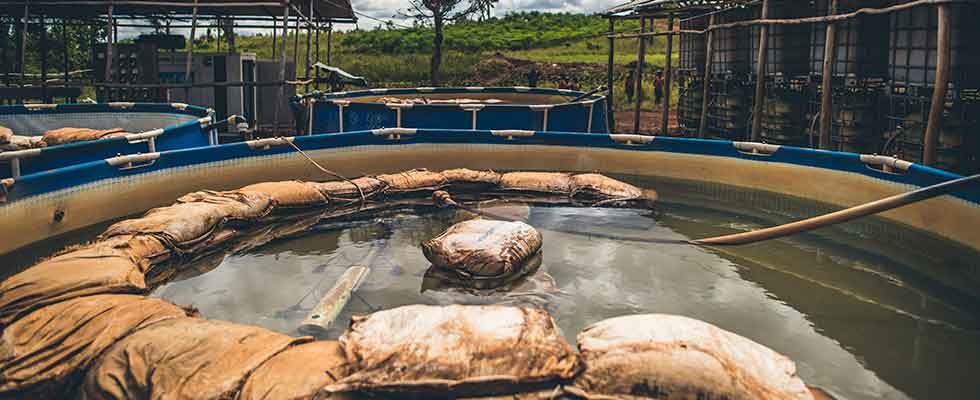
553, 183
470, 180
290, 194
190, 220
300, 372
16, 142
341, 192
139, 247
46, 353
456, 351
182, 358
436, 278
5, 134
412, 181
84, 272
671, 357
595, 189
484, 248
60, 136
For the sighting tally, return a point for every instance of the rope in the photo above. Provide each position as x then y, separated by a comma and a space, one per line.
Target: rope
327, 171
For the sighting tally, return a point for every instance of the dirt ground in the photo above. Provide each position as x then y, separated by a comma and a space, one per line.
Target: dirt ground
649, 122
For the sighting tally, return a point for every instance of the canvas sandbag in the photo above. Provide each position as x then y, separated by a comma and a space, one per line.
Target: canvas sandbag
184, 223
469, 180
553, 183
289, 194
455, 351
84, 272
140, 247
413, 180
596, 189
341, 192
239, 204
483, 247
67, 135
17, 142
45, 353
5, 135
300, 372
670, 357
182, 358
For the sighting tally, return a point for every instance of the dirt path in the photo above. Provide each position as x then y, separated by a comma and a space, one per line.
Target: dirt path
649, 122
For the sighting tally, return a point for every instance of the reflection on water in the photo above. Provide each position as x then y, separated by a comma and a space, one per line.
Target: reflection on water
860, 321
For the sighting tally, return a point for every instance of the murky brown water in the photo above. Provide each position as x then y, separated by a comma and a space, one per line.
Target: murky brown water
868, 310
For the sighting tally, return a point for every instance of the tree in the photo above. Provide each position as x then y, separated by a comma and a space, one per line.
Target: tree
440, 12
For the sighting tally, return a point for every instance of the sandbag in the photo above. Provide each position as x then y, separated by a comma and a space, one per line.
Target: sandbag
595, 189
341, 192
5, 134
553, 183
45, 353
60, 136
16, 142
412, 181
249, 205
140, 247
182, 358
289, 194
84, 272
300, 372
470, 180
184, 223
670, 357
436, 278
455, 351
483, 248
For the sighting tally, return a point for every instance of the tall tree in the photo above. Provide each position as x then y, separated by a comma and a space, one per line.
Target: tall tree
439, 13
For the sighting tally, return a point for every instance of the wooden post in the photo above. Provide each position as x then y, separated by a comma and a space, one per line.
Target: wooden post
275, 28
610, 81
44, 52
3, 51
760, 76
188, 77
827, 96
296, 42
709, 54
665, 120
942, 82
108, 45
64, 44
282, 63
638, 82
309, 41
316, 46
329, 43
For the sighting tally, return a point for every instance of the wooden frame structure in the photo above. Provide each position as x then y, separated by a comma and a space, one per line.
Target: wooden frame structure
689, 9
314, 15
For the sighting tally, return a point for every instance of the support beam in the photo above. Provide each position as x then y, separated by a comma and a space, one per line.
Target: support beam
760, 76
274, 37
709, 54
665, 119
282, 64
188, 77
640, 60
942, 82
309, 42
827, 94
44, 52
64, 47
3, 51
296, 45
316, 46
610, 82
22, 40
329, 43
108, 45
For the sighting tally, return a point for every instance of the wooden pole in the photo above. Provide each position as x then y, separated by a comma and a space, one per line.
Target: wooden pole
709, 49
309, 42
610, 81
296, 43
22, 41
638, 82
329, 43
316, 51
760, 76
282, 63
942, 82
275, 28
64, 46
3, 51
44, 53
108, 45
827, 94
665, 120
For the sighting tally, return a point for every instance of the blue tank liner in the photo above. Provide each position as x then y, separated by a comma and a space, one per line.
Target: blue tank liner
537, 110
179, 127
63, 178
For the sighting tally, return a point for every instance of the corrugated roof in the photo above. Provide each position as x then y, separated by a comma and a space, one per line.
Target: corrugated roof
323, 9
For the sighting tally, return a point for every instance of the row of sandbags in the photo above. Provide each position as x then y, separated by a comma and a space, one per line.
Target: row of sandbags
9, 141
60, 315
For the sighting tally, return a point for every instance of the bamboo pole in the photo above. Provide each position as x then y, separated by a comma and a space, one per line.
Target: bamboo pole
665, 120
316, 51
638, 82
833, 18
329, 43
942, 82
309, 39
3, 51
760, 76
296, 45
610, 82
705, 102
275, 28
827, 97
648, 34
188, 77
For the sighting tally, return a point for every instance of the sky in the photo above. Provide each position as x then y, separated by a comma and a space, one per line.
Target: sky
388, 9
